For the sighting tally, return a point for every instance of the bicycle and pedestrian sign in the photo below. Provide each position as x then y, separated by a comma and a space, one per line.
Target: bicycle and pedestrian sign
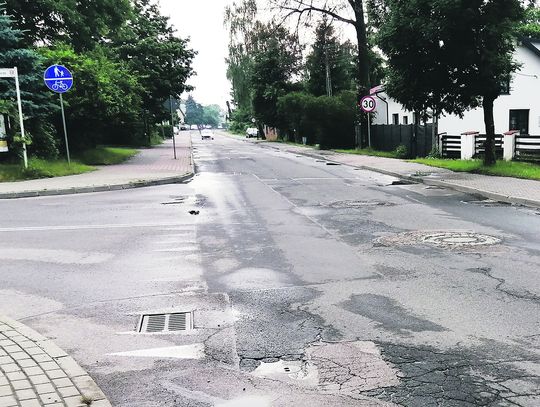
58, 78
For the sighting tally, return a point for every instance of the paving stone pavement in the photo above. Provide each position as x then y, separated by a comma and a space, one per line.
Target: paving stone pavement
152, 166
507, 189
34, 372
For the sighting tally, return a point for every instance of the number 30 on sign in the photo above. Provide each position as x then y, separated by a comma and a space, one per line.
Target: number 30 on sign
368, 104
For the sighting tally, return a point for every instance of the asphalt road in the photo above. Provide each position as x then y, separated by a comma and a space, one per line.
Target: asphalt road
310, 285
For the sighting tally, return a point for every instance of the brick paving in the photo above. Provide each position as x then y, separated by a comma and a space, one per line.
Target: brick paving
34, 372
514, 190
150, 165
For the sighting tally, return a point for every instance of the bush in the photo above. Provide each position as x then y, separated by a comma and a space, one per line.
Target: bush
44, 142
323, 120
401, 151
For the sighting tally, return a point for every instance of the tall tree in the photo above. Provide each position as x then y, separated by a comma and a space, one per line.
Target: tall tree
162, 61
531, 23
240, 19
35, 100
329, 65
194, 112
277, 57
449, 56
81, 23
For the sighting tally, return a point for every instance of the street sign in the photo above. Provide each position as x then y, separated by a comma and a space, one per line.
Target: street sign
58, 78
368, 104
8, 72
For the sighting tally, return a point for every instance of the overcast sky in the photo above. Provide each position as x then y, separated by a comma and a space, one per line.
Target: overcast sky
202, 21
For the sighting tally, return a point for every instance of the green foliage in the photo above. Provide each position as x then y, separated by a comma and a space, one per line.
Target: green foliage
340, 59
501, 168
161, 61
531, 23
241, 20
38, 168
194, 112
326, 121
240, 120
212, 115
83, 24
44, 143
276, 58
401, 151
106, 155
104, 104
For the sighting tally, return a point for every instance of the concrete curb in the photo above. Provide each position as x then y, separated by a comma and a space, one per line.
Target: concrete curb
80, 379
431, 182
100, 188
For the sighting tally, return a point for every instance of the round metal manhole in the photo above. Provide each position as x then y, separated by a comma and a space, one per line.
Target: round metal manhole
357, 204
444, 239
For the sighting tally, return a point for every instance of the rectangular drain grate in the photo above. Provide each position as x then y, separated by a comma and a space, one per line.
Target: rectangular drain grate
163, 323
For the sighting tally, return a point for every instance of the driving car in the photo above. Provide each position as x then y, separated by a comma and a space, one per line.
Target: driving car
207, 135
252, 132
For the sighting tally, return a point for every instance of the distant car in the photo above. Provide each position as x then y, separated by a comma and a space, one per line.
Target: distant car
194, 127
220, 126
252, 132
207, 135
207, 126
184, 127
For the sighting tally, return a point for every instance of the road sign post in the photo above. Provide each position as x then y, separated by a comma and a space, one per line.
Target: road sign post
368, 105
172, 125
58, 79
14, 73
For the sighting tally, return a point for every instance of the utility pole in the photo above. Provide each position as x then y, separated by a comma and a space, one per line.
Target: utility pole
172, 125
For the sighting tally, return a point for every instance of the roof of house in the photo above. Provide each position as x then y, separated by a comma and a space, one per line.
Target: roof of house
532, 44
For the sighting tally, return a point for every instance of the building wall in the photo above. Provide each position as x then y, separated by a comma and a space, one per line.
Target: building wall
524, 94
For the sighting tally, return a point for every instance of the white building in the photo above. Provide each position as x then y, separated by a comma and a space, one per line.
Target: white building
517, 110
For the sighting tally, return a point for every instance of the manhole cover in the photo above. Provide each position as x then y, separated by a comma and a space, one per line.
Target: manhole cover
459, 239
445, 239
358, 204
165, 323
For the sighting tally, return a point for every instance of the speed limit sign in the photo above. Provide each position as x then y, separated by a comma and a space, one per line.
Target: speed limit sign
368, 104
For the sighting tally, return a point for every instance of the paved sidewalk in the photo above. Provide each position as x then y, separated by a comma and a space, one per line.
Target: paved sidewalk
34, 372
152, 166
505, 189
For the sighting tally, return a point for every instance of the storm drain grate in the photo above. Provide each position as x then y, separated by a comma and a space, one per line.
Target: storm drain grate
163, 323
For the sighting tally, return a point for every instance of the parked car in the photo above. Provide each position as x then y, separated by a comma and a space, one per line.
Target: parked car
252, 132
184, 126
207, 135
194, 127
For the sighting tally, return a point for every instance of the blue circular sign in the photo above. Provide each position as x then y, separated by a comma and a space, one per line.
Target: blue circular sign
58, 78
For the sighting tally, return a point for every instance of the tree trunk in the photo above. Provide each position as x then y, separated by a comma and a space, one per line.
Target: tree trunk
363, 63
489, 145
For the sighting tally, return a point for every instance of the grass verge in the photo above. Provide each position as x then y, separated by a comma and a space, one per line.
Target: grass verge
41, 169
106, 155
369, 151
501, 168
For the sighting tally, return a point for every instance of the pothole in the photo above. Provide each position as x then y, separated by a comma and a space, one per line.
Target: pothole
357, 204
332, 163
445, 239
402, 182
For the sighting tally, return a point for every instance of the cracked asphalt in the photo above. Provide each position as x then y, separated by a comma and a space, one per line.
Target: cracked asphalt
310, 285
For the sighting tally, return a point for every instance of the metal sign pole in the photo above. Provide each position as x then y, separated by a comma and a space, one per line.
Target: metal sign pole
65, 128
369, 129
21, 121
172, 125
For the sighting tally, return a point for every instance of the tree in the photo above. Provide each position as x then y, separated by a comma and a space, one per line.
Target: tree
194, 112
449, 56
531, 23
276, 58
212, 115
241, 19
35, 99
330, 65
104, 104
162, 61
81, 23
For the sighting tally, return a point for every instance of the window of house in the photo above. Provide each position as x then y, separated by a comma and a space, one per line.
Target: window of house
395, 118
405, 120
519, 120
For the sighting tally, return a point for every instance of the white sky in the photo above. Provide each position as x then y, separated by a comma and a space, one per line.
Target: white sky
202, 21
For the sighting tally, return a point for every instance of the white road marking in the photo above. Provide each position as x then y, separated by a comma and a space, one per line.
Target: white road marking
81, 227
195, 351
